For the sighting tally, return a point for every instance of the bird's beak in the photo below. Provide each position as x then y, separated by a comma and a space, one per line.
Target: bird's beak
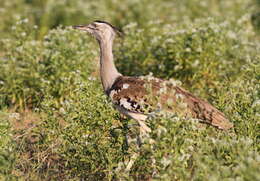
87, 28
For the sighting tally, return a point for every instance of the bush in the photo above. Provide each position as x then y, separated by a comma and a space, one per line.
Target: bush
7, 147
30, 68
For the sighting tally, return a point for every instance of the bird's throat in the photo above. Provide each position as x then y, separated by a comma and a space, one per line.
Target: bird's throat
108, 71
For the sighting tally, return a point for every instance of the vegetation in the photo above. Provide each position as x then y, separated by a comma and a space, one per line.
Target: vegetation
57, 124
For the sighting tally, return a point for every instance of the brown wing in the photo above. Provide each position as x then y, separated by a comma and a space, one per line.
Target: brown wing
147, 95
129, 92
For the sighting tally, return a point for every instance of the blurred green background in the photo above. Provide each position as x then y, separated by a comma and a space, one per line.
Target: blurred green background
48, 14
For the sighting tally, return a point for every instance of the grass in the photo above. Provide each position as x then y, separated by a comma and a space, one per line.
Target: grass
57, 124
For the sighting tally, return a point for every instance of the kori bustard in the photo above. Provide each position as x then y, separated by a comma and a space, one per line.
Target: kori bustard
137, 97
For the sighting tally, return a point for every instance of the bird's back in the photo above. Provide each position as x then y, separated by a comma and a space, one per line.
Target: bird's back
143, 96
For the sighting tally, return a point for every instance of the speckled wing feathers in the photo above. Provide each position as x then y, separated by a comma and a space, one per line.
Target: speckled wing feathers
143, 96
128, 92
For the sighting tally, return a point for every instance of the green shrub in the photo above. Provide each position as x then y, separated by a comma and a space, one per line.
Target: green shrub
49, 14
7, 147
30, 68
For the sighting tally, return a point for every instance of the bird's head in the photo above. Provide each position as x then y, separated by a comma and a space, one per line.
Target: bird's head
101, 30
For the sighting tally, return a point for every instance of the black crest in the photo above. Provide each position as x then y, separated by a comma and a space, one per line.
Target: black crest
117, 30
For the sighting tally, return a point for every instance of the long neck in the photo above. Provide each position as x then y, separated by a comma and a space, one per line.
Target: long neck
108, 71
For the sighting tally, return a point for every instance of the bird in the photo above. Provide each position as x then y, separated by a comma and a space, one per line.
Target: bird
139, 97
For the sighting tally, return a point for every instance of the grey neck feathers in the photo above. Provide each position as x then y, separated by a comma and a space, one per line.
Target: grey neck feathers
108, 71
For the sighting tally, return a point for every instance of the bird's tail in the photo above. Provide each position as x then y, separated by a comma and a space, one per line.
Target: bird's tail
218, 119
205, 112
210, 115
